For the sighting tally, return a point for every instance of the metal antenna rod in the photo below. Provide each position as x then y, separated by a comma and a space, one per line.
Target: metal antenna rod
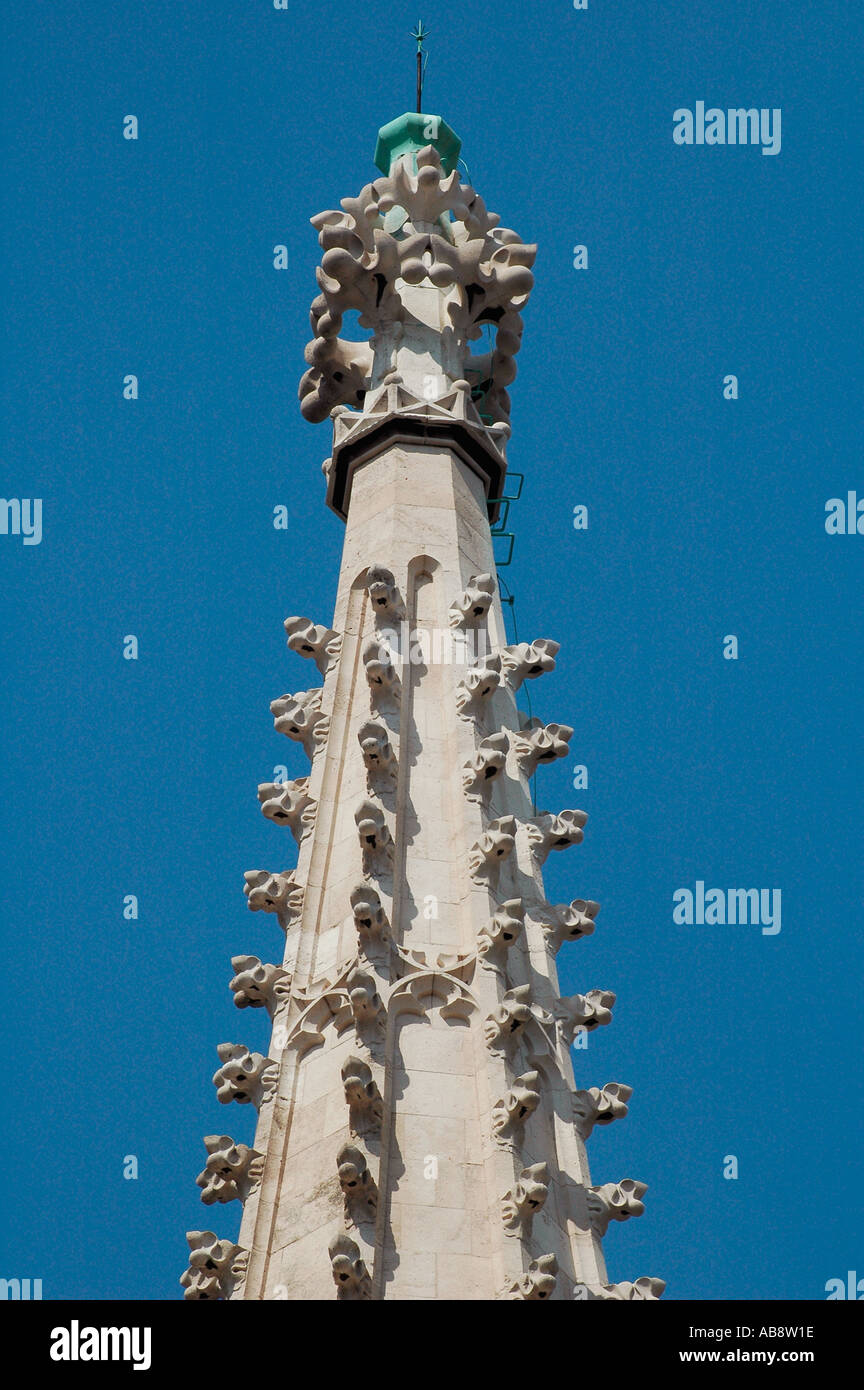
419, 34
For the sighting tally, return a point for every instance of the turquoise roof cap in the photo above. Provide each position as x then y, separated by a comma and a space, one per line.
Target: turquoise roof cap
412, 132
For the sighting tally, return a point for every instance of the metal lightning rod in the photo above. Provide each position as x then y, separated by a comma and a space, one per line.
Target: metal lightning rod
420, 34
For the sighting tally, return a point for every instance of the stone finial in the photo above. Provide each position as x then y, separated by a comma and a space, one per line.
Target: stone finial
392, 237
568, 922
299, 717
484, 767
231, 1170
540, 743
495, 938
376, 842
615, 1201
256, 985
365, 1106
503, 1028
520, 1205
215, 1267
527, 660
537, 1284
578, 1012
471, 607
378, 756
289, 803
510, 1113
349, 1271
244, 1076
477, 686
357, 1184
370, 919
494, 845
320, 644
547, 832
384, 594
600, 1106
381, 674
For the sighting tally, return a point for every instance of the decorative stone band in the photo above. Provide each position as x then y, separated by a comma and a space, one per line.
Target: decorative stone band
450, 422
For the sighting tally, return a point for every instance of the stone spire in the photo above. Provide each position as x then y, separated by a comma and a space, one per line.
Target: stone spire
420, 1132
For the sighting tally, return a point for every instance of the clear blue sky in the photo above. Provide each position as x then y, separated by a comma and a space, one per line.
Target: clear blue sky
706, 518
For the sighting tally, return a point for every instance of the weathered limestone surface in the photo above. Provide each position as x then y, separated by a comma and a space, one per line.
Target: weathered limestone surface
420, 1133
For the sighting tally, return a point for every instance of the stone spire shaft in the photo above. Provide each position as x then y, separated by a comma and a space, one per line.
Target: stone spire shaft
420, 1131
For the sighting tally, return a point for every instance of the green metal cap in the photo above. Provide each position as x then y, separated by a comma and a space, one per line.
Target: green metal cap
412, 132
